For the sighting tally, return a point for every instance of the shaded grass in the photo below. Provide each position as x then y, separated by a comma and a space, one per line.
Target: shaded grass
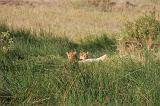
37, 72
32, 44
102, 44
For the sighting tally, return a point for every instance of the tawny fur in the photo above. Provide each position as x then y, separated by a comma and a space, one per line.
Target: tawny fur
72, 55
84, 58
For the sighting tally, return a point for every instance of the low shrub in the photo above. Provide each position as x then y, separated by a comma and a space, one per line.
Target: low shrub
6, 43
144, 32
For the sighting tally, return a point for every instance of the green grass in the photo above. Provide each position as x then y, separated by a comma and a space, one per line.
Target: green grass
37, 72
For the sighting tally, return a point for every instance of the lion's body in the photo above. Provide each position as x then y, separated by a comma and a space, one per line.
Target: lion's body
84, 58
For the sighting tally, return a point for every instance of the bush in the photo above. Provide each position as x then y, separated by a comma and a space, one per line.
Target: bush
143, 27
143, 31
6, 42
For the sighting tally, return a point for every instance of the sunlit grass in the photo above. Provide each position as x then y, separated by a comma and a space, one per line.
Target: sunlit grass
66, 20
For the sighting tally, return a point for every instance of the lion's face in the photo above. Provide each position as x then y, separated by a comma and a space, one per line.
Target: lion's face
72, 55
83, 55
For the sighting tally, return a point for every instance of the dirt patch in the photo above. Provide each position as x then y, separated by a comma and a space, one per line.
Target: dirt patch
33, 2
15, 2
123, 6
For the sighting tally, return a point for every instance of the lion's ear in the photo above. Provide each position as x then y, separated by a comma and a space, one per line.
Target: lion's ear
67, 53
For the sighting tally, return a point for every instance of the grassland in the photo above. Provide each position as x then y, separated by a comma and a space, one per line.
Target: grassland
37, 72
73, 18
34, 69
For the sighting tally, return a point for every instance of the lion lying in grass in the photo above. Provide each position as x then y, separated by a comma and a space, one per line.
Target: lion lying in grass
83, 56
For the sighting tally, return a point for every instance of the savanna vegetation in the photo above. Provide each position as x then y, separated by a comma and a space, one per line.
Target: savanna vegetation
34, 69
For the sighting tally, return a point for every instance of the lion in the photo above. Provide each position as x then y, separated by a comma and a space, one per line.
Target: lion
72, 55
84, 57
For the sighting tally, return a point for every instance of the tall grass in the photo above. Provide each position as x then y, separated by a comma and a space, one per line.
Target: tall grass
37, 72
